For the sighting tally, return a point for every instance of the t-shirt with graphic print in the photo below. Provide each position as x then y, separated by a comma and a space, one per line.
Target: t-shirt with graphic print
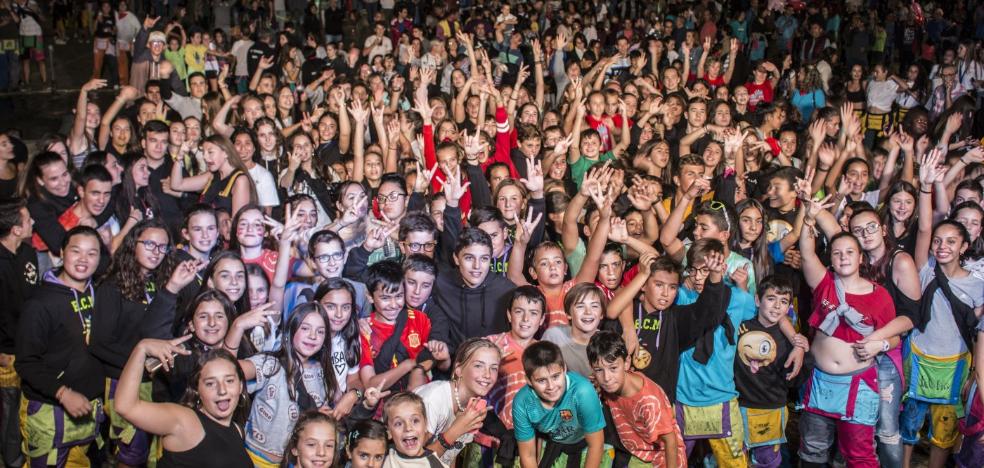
274, 412
577, 413
642, 419
511, 377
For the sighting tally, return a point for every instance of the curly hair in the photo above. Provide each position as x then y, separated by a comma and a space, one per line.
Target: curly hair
126, 272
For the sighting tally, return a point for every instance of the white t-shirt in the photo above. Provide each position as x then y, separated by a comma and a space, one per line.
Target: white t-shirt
342, 369
881, 94
439, 402
239, 50
266, 188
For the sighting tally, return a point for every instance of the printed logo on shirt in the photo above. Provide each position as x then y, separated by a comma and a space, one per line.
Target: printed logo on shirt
413, 339
566, 415
31, 274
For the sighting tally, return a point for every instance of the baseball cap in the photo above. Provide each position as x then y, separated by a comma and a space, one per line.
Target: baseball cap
157, 36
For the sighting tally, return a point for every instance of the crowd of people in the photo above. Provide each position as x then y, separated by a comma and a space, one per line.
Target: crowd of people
548, 233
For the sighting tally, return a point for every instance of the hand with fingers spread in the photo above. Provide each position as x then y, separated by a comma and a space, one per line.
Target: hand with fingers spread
524, 228
473, 146
163, 350
453, 188
814, 206
619, 231
424, 177
931, 170
716, 266
698, 188
534, 177
359, 113
93, 84
422, 107
827, 155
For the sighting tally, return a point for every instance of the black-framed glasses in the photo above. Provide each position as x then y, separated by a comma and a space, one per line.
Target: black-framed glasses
325, 258
416, 247
154, 246
393, 197
701, 271
870, 228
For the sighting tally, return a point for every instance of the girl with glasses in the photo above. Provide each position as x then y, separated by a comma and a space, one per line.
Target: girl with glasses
136, 301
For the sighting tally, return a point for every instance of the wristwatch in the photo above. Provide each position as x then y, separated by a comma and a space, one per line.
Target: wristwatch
885, 346
358, 394
447, 445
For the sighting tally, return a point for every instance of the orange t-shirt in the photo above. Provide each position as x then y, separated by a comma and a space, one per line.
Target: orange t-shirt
556, 315
511, 378
641, 419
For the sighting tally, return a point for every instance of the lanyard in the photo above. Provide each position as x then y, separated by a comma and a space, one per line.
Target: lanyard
659, 329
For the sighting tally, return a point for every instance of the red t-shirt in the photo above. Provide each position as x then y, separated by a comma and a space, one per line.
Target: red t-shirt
267, 261
641, 419
876, 306
415, 334
758, 94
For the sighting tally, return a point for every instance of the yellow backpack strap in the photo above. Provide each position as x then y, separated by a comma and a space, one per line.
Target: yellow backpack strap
232, 181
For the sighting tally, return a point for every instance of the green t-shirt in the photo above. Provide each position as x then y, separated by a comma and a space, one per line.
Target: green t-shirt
177, 59
579, 168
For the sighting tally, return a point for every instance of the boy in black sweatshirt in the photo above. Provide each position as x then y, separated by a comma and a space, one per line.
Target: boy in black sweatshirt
61, 381
18, 278
468, 301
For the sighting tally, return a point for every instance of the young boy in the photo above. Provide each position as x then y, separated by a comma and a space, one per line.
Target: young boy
395, 343
417, 233
760, 376
643, 416
18, 278
468, 301
60, 380
95, 191
563, 407
326, 257
706, 393
585, 305
690, 169
406, 425
525, 316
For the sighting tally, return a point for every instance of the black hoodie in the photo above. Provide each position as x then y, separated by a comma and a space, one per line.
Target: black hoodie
120, 323
51, 343
461, 312
19, 277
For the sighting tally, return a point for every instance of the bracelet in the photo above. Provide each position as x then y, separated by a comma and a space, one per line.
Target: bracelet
823, 169
928, 192
418, 366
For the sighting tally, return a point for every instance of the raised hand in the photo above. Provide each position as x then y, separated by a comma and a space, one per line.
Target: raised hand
183, 275
424, 178
453, 188
373, 395
473, 146
265, 63
163, 350
814, 206
740, 276
931, 170
619, 232
359, 113
698, 188
93, 84
534, 176
827, 155
376, 235
716, 266
524, 228
256, 317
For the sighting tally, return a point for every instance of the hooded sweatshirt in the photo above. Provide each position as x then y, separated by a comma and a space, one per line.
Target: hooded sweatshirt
19, 277
120, 323
51, 343
461, 312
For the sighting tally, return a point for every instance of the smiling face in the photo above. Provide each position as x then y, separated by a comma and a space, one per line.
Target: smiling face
315, 446
80, 257
845, 256
509, 201
756, 349
388, 303
150, 258
202, 232
772, 306
244, 147
229, 277
56, 179
250, 229
406, 424
327, 259
549, 383
750, 223
479, 373
310, 336
210, 323
525, 318
947, 244
338, 306
901, 205
473, 264
587, 312
857, 176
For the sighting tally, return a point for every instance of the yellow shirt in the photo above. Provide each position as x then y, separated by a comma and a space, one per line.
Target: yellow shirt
195, 57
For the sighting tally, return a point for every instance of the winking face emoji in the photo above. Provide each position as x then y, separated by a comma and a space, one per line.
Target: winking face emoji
756, 349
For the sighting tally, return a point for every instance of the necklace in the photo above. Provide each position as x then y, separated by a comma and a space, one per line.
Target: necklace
454, 391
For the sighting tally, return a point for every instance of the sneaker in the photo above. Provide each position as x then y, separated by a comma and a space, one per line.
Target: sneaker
60, 41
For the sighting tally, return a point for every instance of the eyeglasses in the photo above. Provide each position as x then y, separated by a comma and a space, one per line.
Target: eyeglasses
393, 197
702, 271
154, 246
417, 246
870, 228
325, 258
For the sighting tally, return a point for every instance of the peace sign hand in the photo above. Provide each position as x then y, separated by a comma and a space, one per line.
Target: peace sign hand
524, 229
373, 395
